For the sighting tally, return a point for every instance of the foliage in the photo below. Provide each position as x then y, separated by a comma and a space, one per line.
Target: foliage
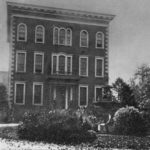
125, 93
146, 118
129, 121
3, 93
140, 84
58, 126
9, 141
122, 142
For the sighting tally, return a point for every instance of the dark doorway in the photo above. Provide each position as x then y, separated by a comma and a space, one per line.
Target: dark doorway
60, 97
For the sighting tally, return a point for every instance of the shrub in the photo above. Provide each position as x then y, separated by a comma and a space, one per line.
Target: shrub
146, 118
129, 121
57, 126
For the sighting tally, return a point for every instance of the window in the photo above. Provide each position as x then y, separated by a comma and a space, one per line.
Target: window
39, 34
69, 37
83, 95
19, 93
61, 64
98, 93
84, 38
83, 66
62, 36
38, 62
55, 35
22, 32
69, 65
99, 67
99, 40
20, 61
37, 93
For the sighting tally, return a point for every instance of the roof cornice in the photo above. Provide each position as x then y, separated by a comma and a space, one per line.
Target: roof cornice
60, 11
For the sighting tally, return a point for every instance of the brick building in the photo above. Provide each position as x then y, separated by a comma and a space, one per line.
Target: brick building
59, 57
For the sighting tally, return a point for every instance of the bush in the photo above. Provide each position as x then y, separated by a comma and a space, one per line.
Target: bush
129, 121
60, 126
146, 118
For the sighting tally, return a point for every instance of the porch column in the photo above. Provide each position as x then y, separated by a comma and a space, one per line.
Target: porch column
66, 99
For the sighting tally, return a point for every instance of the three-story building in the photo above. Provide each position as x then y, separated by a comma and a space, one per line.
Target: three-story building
58, 57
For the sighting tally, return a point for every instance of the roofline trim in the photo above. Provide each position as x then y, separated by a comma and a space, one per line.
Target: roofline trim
60, 11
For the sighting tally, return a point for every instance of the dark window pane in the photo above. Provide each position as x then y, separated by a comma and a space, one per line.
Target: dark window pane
98, 94
83, 66
54, 64
99, 67
62, 64
84, 39
62, 37
37, 94
99, 40
55, 36
39, 34
21, 32
19, 93
38, 63
21, 62
69, 37
83, 96
69, 65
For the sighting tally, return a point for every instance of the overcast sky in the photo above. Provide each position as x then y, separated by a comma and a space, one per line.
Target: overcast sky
129, 31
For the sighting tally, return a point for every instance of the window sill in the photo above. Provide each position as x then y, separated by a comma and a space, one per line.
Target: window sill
21, 41
19, 103
39, 42
37, 104
21, 72
99, 76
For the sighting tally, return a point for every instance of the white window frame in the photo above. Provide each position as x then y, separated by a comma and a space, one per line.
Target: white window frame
99, 58
24, 90
57, 62
18, 52
98, 87
87, 38
43, 38
42, 54
97, 39
18, 32
37, 83
84, 86
87, 66
66, 29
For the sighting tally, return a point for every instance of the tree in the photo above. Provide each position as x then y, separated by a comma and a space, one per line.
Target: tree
125, 93
3, 93
140, 84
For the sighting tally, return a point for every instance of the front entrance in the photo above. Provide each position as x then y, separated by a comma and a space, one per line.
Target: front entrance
61, 97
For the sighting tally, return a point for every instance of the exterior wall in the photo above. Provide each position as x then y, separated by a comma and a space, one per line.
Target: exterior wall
48, 48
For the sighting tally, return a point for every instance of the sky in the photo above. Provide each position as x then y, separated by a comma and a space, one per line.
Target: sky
129, 41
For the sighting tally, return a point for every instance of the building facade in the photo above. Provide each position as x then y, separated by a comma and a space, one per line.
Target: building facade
59, 57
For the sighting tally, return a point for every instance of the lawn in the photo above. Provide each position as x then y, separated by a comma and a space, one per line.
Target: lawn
9, 141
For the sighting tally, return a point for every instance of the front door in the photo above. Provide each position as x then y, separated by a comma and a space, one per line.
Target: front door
60, 97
